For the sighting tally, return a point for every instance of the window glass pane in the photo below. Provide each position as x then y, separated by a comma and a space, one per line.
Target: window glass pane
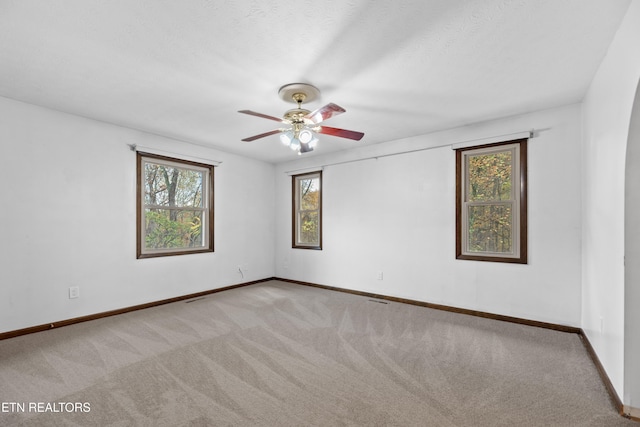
173, 228
309, 228
309, 194
307, 211
172, 186
490, 228
490, 177
175, 206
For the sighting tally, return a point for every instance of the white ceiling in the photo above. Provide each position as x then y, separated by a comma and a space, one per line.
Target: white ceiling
400, 68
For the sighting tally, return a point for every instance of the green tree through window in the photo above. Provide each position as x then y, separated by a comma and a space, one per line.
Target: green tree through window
307, 211
491, 202
175, 206
490, 182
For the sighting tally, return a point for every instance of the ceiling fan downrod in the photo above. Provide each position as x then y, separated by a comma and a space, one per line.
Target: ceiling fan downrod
299, 98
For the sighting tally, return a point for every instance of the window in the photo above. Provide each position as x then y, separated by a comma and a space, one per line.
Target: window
174, 206
307, 211
491, 202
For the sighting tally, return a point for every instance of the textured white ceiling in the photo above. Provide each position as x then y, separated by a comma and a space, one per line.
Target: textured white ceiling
400, 68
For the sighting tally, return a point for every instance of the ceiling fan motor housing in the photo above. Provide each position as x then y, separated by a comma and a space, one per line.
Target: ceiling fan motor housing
296, 115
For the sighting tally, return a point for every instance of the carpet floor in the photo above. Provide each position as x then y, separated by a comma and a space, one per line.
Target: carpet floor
281, 354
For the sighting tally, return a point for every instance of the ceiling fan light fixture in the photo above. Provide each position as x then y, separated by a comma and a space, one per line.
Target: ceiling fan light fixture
295, 144
305, 148
286, 138
305, 136
304, 142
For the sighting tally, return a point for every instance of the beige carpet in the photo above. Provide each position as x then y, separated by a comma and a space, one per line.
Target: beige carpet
280, 354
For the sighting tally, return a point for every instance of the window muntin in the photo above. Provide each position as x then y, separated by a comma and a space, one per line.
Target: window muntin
307, 211
491, 203
175, 206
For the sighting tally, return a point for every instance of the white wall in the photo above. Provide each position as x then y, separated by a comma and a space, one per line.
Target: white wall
632, 263
606, 117
397, 215
67, 186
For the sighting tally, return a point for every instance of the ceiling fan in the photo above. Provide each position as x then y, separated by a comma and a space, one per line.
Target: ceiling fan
304, 124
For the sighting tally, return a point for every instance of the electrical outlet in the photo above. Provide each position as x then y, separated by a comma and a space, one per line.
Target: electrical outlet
74, 292
380, 275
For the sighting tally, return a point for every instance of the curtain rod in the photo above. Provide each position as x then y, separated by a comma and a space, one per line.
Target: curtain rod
454, 146
150, 150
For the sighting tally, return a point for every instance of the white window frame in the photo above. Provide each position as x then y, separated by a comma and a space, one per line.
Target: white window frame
517, 203
298, 212
206, 209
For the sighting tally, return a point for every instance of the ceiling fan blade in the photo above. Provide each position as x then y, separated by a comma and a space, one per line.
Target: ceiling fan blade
262, 135
324, 113
264, 116
342, 133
